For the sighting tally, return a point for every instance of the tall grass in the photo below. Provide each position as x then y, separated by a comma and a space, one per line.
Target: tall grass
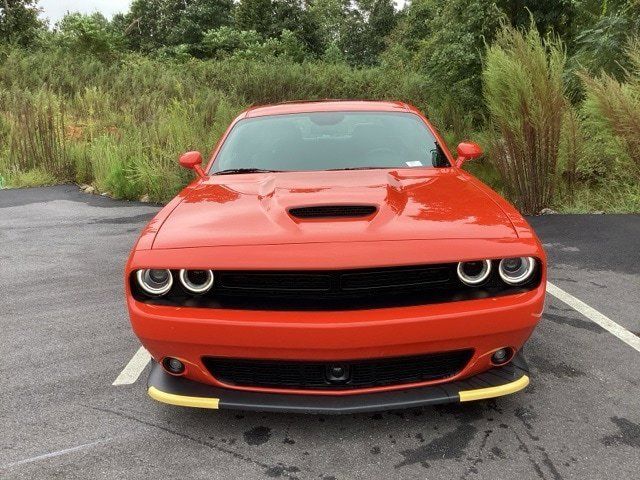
525, 97
121, 125
36, 134
619, 104
572, 147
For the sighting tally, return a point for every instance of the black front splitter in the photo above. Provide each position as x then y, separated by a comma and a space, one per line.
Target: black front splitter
492, 383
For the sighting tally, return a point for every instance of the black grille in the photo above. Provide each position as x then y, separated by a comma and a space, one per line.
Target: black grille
406, 277
337, 283
353, 289
317, 375
258, 281
333, 211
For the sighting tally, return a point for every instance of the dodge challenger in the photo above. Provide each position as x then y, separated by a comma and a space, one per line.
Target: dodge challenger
334, 257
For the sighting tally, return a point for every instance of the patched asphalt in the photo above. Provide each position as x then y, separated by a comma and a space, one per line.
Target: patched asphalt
65, 337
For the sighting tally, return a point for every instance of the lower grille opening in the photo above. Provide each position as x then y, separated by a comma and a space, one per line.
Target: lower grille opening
338, 375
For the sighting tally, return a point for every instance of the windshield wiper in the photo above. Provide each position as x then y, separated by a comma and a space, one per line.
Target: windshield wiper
232, 171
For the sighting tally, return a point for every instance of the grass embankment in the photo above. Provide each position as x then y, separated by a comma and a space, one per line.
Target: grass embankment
121, 124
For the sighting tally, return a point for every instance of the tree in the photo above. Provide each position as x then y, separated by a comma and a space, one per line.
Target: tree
330, 16
445, 40
415, 23
366, 30
255, 15
198, 17
557, 16
294, 16
19, 22
226, 41
600, 46
154, 24
272, 18
89, 34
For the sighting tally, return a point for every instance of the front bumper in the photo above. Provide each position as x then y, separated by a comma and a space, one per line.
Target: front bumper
187, 393
191, 334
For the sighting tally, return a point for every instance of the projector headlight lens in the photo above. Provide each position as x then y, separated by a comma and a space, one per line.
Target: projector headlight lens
196, 281
155, 282
517, 270
474, 273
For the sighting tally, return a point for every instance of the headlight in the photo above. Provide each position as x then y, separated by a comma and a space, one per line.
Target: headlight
474, 273
196, 281
155, 282
515, 271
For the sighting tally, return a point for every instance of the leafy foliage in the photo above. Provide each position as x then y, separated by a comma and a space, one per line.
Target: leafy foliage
89, 34
601, 46
448, 40
153, 25
19, 22
619, 104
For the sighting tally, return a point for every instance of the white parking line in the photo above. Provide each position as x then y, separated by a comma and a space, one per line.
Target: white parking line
134, 368
52, 454
595, 316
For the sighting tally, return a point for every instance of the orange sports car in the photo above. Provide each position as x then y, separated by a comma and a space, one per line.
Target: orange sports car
333, 257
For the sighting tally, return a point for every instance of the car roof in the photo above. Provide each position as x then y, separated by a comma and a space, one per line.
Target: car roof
326, 106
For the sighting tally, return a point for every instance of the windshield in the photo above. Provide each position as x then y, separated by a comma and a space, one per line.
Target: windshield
329, 141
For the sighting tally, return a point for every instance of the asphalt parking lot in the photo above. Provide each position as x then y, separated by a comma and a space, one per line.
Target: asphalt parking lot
65, 337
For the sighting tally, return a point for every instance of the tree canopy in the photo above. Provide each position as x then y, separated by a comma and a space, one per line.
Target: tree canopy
445, 40
19, 22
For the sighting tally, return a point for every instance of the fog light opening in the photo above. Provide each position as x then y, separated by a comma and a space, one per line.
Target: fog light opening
502, 356
173, 366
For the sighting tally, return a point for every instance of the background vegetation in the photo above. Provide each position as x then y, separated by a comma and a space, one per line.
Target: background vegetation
551, 89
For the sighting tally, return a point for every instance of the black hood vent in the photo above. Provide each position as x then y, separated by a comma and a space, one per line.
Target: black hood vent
333, 211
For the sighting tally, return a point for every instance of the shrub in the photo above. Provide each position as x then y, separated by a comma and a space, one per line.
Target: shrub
89, 34
225, 41
619, 104
525, 99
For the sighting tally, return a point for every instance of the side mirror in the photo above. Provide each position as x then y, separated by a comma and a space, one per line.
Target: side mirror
467, 151
192, 161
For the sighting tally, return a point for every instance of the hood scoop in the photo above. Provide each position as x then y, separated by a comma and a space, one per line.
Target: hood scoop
332, 211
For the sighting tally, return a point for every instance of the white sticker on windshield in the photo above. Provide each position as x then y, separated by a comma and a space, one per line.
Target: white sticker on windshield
415, 163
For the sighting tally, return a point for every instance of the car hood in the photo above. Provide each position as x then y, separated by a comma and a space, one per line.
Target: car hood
253, 209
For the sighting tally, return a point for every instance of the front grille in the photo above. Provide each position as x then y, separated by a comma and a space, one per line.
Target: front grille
406, 277
316, 375
354, 289
333, 211
259, 281
335, 283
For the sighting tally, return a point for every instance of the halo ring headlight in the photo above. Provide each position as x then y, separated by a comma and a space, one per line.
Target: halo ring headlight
517, 270
155, 282
193, 287
477, 278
